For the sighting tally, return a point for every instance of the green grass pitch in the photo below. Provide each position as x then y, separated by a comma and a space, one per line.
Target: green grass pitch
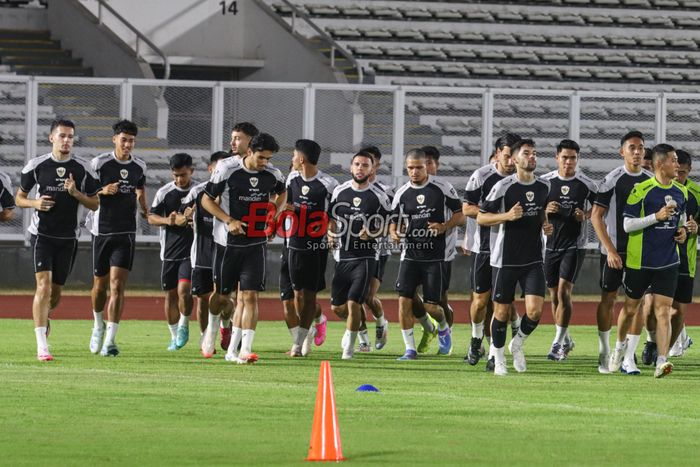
152, 407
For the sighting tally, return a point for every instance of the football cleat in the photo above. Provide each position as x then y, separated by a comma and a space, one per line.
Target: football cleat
474, 352
428, 337
109, 350
516, 351
663, 370
320, 336
409, 355
445, 342
96, 339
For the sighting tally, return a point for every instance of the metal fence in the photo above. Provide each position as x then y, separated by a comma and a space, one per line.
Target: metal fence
197, 116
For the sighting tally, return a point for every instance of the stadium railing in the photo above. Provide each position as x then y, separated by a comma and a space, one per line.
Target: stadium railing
196, 117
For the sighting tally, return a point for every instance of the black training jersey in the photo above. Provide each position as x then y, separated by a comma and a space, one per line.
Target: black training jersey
414, 207
353, 209
612, 195
117, 213
175, 241
201, 253
519, 242
49, 176
310, 198
7, 198
245, 196
574, 192
478, 187
385, 242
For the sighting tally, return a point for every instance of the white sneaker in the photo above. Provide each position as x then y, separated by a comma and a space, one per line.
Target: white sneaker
518, 356
348, 353
500, 369
208, 344
603, 360
296, 351
247, 359
677, 349
231, 356
363, 342
616, 360
98, 335
308, 342
381, 336
663, 369
687, 342
629, 367
345, 341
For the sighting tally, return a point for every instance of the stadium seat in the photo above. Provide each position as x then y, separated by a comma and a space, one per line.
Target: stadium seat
431, 54
439, 35
385, 12
355, 10
449, 14
460, 54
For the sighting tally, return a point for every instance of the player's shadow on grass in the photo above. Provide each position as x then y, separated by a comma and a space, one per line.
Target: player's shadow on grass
373, 455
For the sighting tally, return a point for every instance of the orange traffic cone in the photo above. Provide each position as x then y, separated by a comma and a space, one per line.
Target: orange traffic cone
325, 435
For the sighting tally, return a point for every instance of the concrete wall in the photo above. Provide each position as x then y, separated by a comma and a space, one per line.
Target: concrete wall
34, 19
196, 31
16, 271
99, 48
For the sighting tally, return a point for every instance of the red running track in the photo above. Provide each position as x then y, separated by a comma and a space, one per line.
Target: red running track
151, 308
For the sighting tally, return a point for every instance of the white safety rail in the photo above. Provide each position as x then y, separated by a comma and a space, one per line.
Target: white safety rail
196, 117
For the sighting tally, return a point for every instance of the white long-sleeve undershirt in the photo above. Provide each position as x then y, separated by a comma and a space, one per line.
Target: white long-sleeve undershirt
633, 224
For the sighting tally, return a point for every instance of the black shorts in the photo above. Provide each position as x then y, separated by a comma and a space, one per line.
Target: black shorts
429, 274
381, 265
563, 264
482, 274
244, 266
173, 272
684, 289
54, 254
530, 278
202, 281
611, 279
286, 290
661, 281
351, 281
307, 269
446, 275
112, 251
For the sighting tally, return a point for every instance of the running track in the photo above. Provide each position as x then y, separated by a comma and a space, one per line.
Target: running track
151, 308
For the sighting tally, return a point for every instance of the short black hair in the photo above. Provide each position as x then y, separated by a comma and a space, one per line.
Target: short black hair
416, 153
180, 160
263, 142
509, 139
684, 157
363, 153
647, 154
630, 135
660, 152
520, 143
61, 122
373, 150
218, 155
310, 149
431, 152
247, 128
125, 126
568, 144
